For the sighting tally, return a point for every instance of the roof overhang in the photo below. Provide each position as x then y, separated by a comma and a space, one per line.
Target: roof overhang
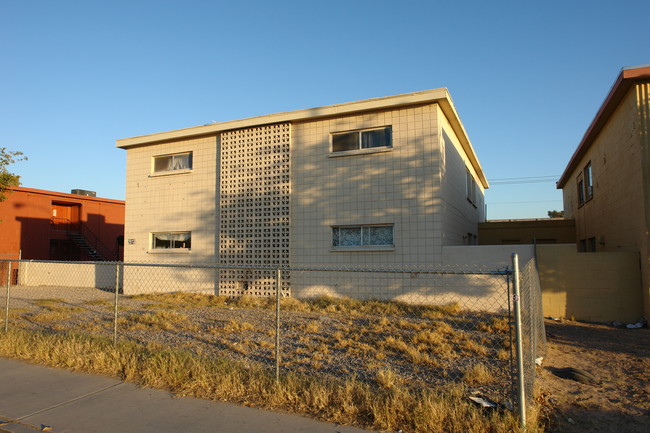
440, 96
626, 79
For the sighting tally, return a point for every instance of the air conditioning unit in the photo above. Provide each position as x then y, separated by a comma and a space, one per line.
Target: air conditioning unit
84, 192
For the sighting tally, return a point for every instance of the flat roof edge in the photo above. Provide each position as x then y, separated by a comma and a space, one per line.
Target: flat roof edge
619, 89
64, 194
413, 98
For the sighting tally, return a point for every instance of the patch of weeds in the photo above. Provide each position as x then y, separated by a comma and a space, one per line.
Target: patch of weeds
313, 326
477, 374
163, 320
100, 303
180, 300
496, 325
387, 378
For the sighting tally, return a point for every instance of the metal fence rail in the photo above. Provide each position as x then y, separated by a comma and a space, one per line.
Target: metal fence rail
418, 327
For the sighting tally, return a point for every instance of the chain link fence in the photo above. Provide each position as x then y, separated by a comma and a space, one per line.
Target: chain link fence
532, 325
418, 327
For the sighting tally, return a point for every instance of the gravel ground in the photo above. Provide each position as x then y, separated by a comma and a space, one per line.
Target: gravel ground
314, 343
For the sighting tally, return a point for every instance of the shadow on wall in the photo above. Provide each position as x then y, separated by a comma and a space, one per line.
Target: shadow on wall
594, 287
399, 186
41, 239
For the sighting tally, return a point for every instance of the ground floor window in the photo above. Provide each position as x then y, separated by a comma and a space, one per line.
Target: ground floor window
358, 236
169, 240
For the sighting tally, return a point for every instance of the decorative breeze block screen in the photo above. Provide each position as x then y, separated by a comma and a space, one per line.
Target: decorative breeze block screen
254, 209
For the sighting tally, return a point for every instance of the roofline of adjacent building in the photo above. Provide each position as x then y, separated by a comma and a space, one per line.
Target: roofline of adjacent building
63, 195
626, 79
440, 96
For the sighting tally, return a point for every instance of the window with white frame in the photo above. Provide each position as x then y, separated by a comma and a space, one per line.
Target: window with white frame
362, 139
171, 163
171, 240
363, 236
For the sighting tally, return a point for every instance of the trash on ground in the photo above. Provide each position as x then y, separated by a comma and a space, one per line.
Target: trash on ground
639, 324
483, 402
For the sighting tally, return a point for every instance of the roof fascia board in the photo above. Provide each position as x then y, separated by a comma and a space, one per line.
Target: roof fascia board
447, 107
64, 195
432, 95
625, 80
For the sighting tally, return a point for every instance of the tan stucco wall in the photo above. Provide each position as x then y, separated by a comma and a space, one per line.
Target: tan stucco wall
617, 216
224, 206
88, 275
599, 287
400, 186
460, 216
173, 202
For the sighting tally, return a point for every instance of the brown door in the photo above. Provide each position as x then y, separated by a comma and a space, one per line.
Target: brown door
65, 216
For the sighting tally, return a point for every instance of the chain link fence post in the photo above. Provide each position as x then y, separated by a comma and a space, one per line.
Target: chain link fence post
521, 395
278, 284
7, 296
117, 293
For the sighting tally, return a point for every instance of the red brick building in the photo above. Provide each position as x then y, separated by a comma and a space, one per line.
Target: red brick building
47, 225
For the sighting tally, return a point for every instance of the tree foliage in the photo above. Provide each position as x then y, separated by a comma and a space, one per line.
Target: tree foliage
556, 214
8, 179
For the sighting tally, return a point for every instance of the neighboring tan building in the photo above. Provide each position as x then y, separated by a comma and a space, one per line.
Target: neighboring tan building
527, 231
386, 181
606, 184
47, 225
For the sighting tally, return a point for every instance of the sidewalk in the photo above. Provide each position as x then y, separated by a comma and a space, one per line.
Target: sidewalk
36, 398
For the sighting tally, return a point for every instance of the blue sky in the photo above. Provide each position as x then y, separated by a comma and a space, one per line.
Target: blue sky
526, 77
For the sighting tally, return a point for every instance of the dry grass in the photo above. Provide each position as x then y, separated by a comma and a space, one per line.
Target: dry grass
477, 374
392, 407
406, 363
161, 319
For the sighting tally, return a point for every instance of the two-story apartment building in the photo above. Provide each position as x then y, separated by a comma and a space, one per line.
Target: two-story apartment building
606, 184
383, 182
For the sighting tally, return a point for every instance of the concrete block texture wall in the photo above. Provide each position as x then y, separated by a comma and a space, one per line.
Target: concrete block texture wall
615, 214
175, 201
461, 210
399, 186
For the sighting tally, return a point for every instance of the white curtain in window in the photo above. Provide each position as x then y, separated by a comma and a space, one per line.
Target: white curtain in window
183, 237
180, 162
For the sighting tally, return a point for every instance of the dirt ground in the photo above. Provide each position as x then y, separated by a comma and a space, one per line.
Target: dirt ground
618, 357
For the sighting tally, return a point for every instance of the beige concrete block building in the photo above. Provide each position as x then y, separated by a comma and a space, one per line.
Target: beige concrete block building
381, 182
606, 184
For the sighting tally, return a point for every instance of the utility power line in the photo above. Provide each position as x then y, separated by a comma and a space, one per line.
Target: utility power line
521, 180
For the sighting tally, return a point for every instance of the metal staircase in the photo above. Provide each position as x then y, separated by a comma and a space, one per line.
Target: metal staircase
85, 246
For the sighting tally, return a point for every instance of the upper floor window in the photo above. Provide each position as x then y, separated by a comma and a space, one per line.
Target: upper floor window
363, 139
470, 187
362, 236
175, 162
589, 187
581, 190
585, 184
